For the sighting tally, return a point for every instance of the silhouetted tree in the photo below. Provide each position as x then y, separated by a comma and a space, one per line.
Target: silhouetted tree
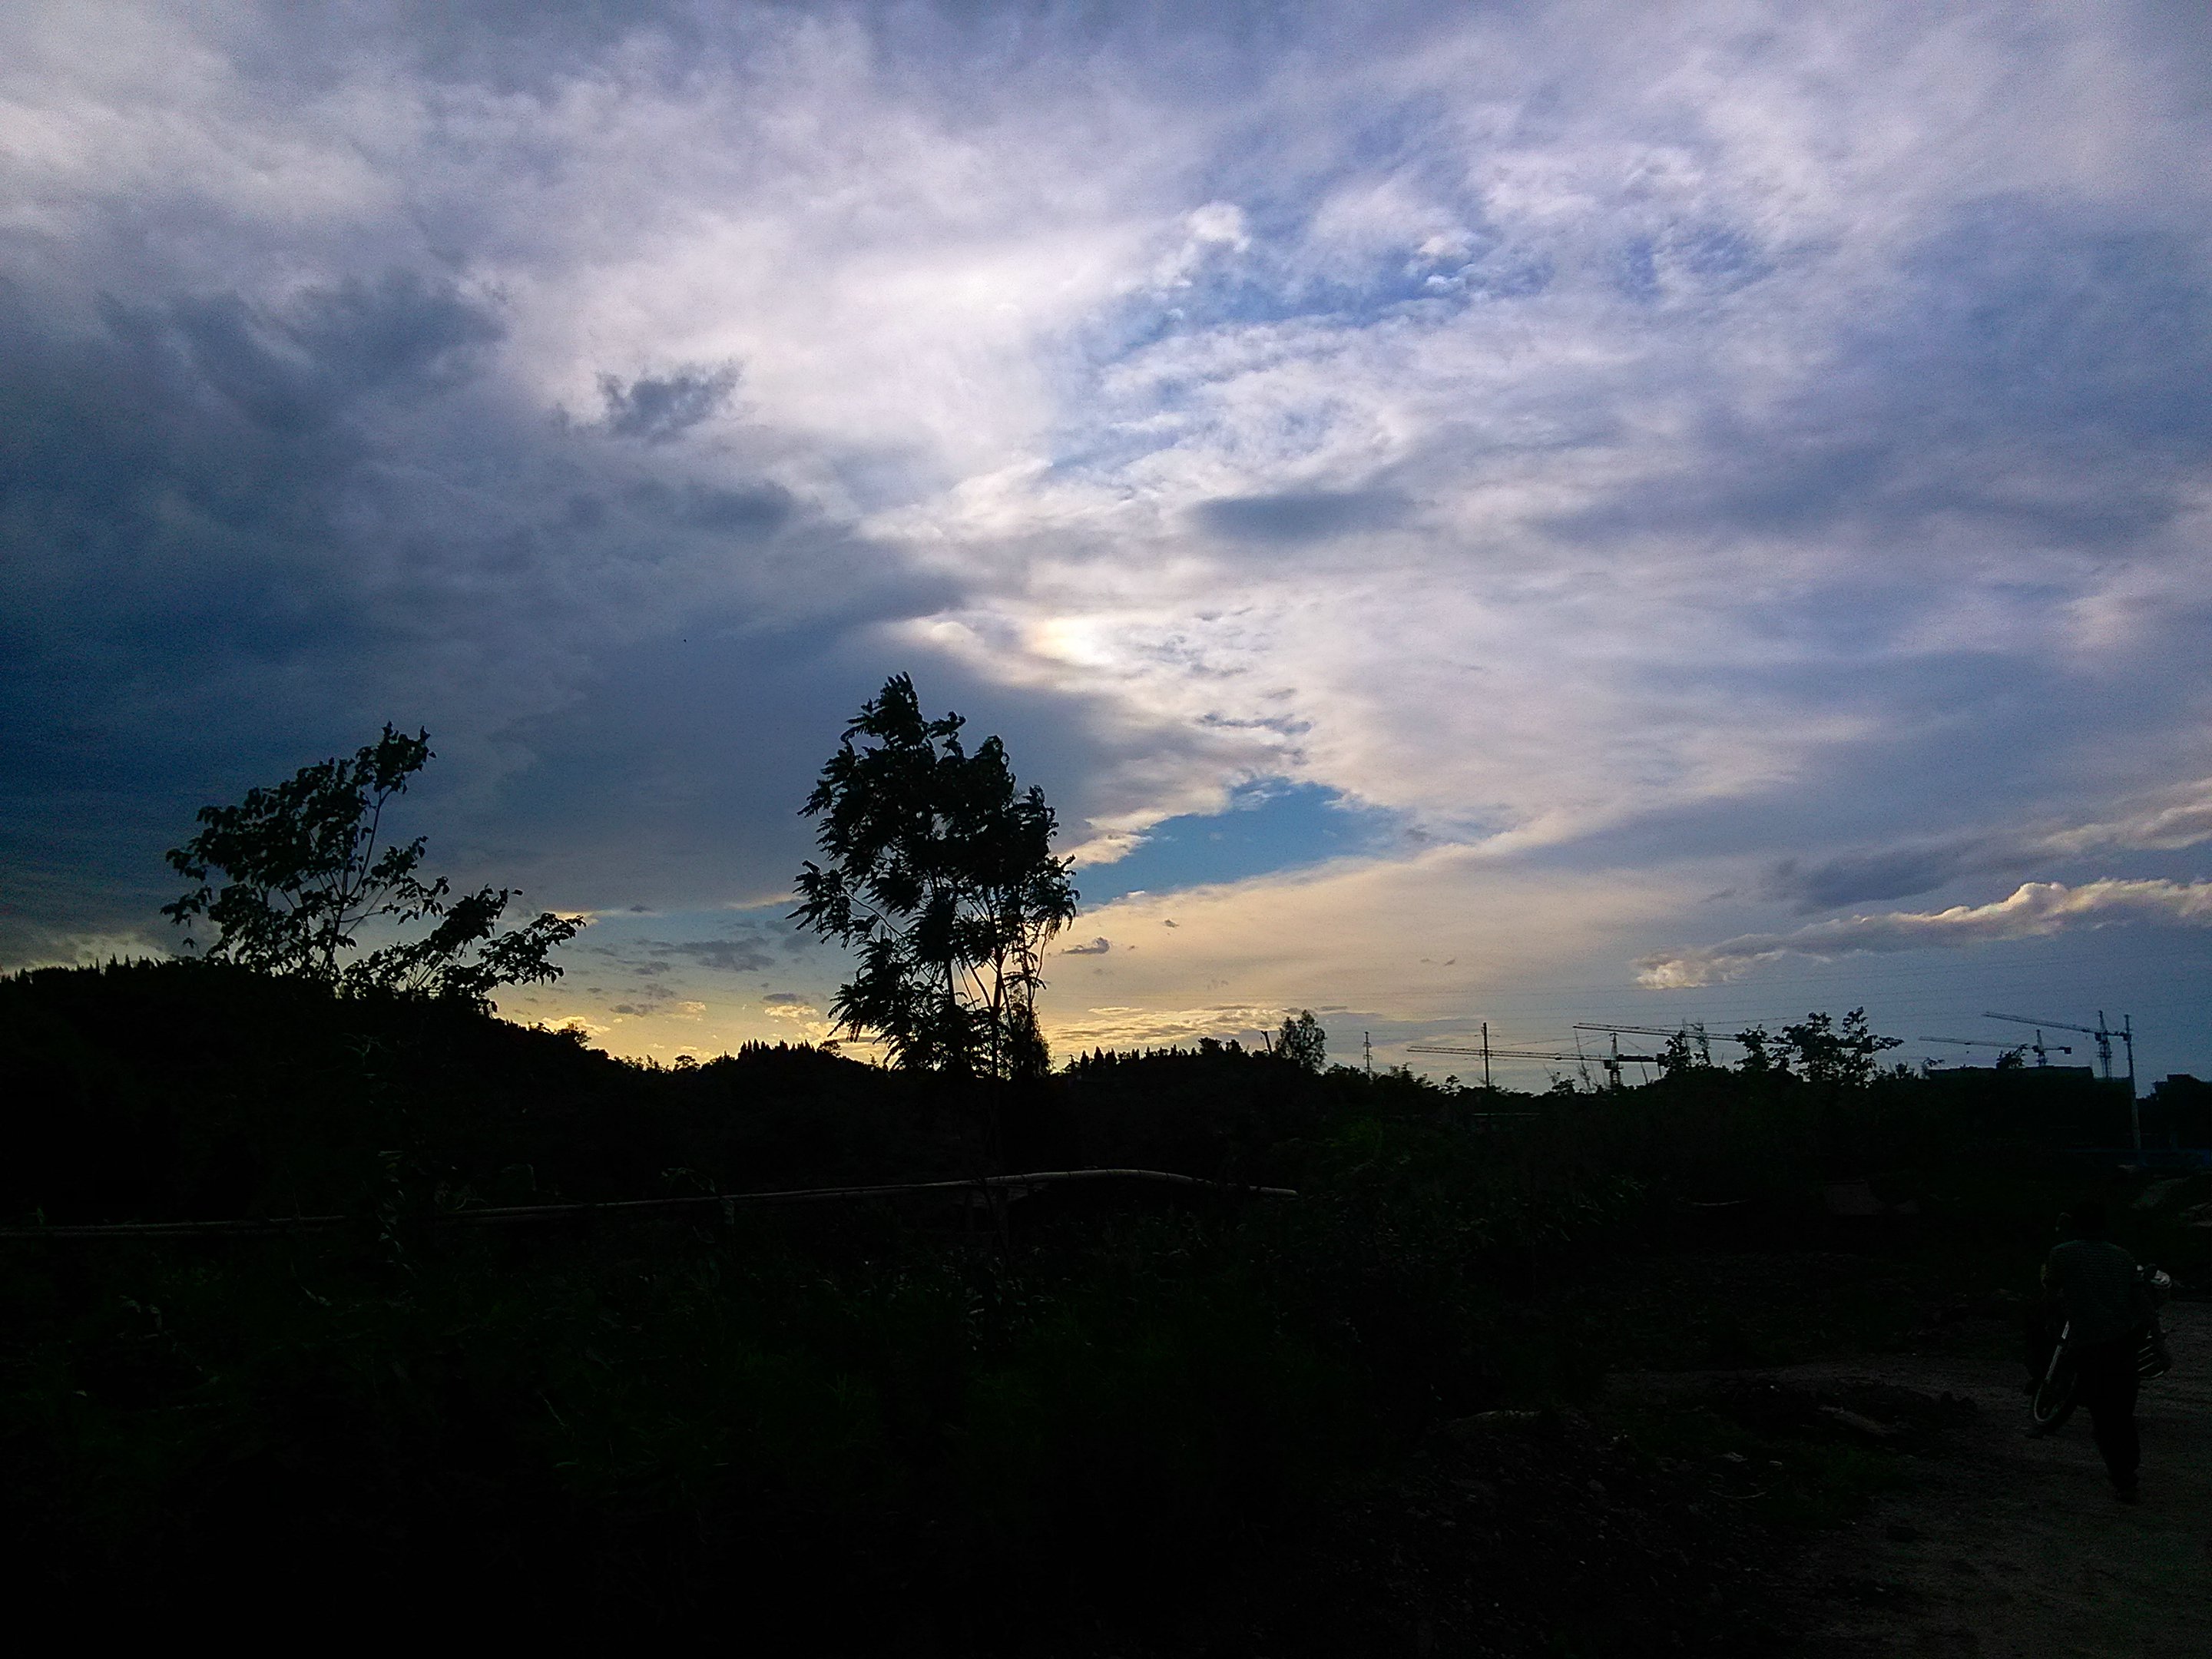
1762, 1054
302, 872
1685, 1054
1827, 1052
1302, 1041
942, 875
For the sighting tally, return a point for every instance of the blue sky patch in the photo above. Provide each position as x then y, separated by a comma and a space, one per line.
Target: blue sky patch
1270, 826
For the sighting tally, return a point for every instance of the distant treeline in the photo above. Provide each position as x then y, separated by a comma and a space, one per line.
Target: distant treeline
183, 1090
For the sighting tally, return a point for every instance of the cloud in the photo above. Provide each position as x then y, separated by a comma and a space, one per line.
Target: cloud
2182, 818
2033, 370
1301, 517
1097, 947
1605, 442
655, 1000
655, 409
722, 956
809, 1021
2034, 910
2175, 819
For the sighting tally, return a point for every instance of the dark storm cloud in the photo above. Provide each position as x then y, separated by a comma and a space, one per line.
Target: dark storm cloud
655, 408
400, 335
245, 532
1887, 873
2173, 821
173, 483
1295, 517
204, 433
759, 510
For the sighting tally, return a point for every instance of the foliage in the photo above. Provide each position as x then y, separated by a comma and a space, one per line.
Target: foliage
303, 869
1763, 1056
1687, 1052
1820, 1050
941, 874
1303, 1042
1842, 1055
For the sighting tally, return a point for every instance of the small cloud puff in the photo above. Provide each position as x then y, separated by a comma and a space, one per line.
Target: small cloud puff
1219, 222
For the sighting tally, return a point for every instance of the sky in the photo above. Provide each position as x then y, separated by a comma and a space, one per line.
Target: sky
1524, 513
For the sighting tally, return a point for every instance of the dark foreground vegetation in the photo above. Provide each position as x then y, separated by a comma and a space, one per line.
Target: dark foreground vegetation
1363, 1419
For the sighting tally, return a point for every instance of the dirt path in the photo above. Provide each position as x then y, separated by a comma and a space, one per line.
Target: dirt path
2005, 1546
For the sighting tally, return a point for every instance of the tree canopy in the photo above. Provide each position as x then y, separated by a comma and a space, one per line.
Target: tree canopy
1820, 1049
303, 868
1302, 1041
938, 871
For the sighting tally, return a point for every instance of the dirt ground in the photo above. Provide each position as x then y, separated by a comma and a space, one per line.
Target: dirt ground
2004, 1546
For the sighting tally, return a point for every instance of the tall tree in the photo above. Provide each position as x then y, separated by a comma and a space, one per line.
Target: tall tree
1302, 1042
303, 868
940, 872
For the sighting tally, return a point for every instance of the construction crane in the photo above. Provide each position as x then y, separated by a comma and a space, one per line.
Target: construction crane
1692, 1032
1490, 1052
2104, 1033
1612, 1062
2039, 1048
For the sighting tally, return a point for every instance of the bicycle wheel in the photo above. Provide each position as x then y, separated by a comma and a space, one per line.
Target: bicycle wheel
2053, 1400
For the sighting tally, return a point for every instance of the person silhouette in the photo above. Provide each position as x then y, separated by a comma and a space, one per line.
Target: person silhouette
2107, 1306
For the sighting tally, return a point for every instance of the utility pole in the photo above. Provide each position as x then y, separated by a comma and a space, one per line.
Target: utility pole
1485, 1054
